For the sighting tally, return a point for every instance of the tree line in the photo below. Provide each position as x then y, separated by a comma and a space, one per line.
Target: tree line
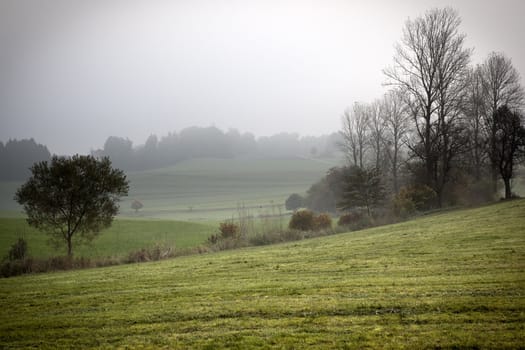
445, 125
211, 142
17, 157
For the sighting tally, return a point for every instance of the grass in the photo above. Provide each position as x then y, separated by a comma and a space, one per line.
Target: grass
211, 189
123, 237
208, 189
449, 280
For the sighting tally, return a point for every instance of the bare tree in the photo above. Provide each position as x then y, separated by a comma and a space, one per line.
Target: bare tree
451, 86
376, 126
396, 118
474, 111
355, 134
429, 64
501, 86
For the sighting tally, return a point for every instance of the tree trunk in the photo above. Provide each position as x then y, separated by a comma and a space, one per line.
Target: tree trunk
69, 247
508, 192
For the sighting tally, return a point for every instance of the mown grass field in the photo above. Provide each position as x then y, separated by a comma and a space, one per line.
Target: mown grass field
123, 237
208, 189
450, 280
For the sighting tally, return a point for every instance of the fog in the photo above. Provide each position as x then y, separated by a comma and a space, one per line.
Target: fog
73, 73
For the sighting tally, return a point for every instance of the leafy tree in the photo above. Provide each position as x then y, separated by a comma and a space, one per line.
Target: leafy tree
324, 194
136, 205
509, 145
294, 202
362, 188
72, 196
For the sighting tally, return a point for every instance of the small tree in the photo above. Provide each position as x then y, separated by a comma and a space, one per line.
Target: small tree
68, 196
136, 205
294, 202
362, 188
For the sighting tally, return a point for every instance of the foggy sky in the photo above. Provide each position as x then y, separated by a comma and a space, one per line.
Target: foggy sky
74, 72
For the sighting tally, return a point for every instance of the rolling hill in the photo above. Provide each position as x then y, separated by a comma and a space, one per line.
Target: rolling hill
208, 189
448, 280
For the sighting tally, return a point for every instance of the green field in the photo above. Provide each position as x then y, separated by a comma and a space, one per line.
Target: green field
123, 237
211, 189
450, 280
208, 189
203, 191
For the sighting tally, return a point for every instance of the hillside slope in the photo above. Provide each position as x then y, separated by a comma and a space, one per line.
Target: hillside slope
449, 280
207, 189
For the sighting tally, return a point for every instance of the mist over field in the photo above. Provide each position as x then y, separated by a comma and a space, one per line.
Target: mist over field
262, 174
75, 73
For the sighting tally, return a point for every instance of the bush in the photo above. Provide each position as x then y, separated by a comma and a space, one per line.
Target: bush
18, 250
349, 218
228, 237
322, 222
355, 220
302, 220
402, 205
16, 267
412, 199
229, 230
424, 197
157, 252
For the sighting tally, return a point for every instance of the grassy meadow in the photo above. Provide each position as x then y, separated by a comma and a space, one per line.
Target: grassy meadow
123, 237
449, 280
208, 189
211, 189
182, 204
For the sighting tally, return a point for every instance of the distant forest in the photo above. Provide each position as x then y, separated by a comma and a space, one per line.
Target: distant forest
17, 156
211, 142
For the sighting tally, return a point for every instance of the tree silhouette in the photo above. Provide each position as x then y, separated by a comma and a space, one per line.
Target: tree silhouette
509, 144
72, 195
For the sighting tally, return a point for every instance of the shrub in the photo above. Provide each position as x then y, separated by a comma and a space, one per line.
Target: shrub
412, 199
302, 220
349, 218
16, 267
355, 220
18, 250
402, 205
228, 237
228, 229
157, 252
323, 222
424, 197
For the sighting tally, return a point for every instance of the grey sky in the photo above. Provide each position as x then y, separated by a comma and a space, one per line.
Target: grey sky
73, 72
